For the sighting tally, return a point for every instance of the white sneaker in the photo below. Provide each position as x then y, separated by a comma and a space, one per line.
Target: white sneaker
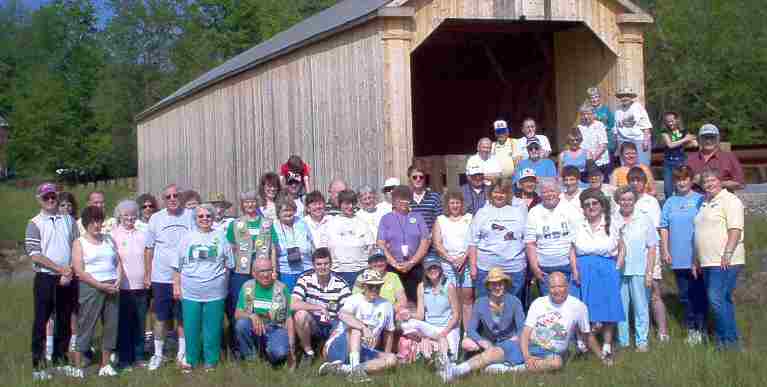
502, 368
330, 368
155, 362
42, 375
694, 337
607, 350
447, 374
663, 338
76, 373
181, 357
107, 370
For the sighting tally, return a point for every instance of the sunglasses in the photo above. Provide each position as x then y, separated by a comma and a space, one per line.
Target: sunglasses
418, 177
171, 196
205, 216
145, 206
388, 189
48, 198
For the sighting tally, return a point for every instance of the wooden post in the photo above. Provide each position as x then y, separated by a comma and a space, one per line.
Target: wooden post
398, 110
631, 57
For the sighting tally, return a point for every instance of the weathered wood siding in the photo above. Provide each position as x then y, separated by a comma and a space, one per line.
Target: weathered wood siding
323, 102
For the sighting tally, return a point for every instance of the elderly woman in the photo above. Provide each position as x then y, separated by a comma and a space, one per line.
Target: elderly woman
677, 232
597, 280
293, 246
574, 155
619, 177
437, 316
449, 236
369, 210
676, 139
148, 206
200, 282
496, 239
550, 229
404, 238
496, 322
639, 239
633, 124
528, 130
134, 300
721, 253
349, 239
594, 138
99, 271
603, 113
269, 188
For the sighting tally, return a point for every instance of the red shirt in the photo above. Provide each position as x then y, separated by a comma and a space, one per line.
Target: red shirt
284, 171
726, 162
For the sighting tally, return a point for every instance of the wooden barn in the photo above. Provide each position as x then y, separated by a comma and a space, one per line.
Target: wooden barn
362, 89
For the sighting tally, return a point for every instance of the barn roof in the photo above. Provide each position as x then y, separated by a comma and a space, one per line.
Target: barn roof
344, 15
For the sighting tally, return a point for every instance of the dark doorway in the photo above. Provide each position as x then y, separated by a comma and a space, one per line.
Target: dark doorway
467, 74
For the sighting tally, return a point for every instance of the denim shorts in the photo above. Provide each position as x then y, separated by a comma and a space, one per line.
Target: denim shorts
164, 306
339, 350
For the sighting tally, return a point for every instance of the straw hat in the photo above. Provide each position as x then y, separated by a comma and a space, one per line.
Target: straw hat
370, 277
496, 274
219, 200
626, 91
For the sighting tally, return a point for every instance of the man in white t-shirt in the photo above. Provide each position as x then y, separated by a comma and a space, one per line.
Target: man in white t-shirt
528, 129
594, 136
551, 226
550, 326
365, 321
633, 124
486, 161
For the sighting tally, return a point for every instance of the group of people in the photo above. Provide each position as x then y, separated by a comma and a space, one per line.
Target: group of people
358, 285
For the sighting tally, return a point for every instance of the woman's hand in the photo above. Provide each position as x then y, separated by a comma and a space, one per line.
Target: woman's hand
176, 292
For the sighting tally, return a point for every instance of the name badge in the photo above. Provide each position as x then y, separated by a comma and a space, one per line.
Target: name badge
253, 231
294, 255
405, 249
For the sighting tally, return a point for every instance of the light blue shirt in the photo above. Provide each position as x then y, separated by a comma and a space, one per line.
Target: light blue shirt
498, 234
164, 234
678, 217
203, 259
288, 237
542, 168
639, 235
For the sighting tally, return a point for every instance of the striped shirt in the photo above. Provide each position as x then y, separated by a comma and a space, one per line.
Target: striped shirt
308, 289
51, 236
430, 207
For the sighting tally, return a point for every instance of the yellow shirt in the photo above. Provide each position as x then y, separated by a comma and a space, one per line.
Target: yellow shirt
505, 155
724, 212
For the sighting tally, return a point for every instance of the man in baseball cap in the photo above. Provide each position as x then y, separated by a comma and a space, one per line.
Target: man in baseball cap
542, 167
485, 160
711, 155
475, 189
504, 148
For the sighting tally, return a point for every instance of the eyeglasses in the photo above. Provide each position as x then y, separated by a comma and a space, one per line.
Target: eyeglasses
171, 196
418, 177
204, 216
49, 198
388, 189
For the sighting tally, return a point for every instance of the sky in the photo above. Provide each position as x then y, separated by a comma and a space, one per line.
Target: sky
100, 7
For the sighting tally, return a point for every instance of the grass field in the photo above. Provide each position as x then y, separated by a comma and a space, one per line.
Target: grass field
674, 364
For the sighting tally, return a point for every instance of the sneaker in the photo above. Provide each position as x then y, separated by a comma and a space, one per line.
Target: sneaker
208, 368
180, 357
358, 375
76, 373
182, 363
107, 370
42, 375
581, 347
155, 362
694, 337
447, 375
643, 348
664, 338
441, 360
502, 368
331, 368
607, 350
306, 360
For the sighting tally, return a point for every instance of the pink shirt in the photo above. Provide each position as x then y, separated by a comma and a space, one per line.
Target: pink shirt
130, 246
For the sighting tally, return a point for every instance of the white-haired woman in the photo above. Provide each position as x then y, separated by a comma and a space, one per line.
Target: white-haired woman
130, 242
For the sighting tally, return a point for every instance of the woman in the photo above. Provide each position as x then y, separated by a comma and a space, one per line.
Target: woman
677, 232
392, 289
148, 204
369, 210
269, 189
639, 240
603, 113
68, 204
496, 239
450, 243
676, 139
574, 155
293, 246
619, 177
200, 282
350, 239
720, 253
317, 219
594, 138
437, 315
133, 294
597, 280
496, 322
190, 199
404, 238
526, 194
99, 272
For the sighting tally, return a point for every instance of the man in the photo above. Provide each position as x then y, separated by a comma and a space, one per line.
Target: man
485, 160
164, 232
504, 148
264, 323
424, 202
365, 321
48, 243
543, 167
595, 141
219, 202
332, 206
550, 325
96, 199
294, 188
475, 190
385, 205
549, 235
316, 300
633, 124
571, 194
528, 129
316, 218
712, 156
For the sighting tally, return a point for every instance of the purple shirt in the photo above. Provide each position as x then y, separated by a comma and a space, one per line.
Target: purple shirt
402, 233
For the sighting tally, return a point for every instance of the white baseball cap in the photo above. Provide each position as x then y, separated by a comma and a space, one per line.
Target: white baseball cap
527, 172
391, 182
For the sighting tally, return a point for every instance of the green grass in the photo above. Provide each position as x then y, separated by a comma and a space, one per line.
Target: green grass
19, 205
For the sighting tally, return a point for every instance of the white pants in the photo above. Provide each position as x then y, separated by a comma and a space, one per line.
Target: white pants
432, 331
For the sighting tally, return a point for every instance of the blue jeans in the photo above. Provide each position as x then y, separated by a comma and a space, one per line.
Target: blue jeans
634, 293
289, 280
543, 286
692, 296
517, 283
338, 350
668, 168
719, 287
273, 344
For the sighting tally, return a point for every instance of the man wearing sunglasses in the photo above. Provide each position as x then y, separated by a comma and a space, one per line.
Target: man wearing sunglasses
165, 231
48, 242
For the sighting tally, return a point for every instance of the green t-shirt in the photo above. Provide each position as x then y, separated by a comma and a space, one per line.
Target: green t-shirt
257, 299
392, 285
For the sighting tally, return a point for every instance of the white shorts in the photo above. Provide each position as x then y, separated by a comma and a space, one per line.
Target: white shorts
432, 331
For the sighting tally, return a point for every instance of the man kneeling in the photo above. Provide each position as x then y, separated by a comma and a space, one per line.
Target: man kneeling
550, 326
264, 322
365, 319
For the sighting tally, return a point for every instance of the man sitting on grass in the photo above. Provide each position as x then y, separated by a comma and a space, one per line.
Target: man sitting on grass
365, 319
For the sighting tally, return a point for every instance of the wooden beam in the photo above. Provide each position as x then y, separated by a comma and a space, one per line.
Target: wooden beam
642, 18
396, 12
494, 62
